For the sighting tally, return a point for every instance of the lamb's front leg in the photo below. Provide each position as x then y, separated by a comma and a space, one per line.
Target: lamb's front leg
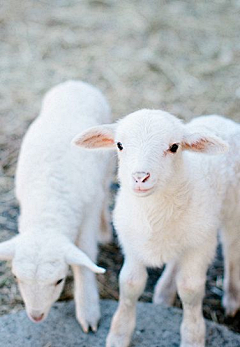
191, 287
85, 282
132, 282
86, 298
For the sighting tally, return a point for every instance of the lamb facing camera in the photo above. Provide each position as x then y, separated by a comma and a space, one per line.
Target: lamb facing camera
62, 192
180, 183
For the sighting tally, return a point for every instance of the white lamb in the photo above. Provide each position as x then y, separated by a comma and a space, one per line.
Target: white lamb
171, 203
61, 190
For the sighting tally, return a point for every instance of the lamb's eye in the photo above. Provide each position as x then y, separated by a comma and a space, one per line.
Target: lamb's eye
120, 146
59, 281
15, 277
174, 148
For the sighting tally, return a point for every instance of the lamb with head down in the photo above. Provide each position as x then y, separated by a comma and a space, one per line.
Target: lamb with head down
62, 192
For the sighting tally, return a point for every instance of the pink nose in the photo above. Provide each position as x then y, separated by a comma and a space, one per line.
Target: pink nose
141, 177
37, 318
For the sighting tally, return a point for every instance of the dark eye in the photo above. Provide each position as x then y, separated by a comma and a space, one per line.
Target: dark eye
15, 277
120, 146
174, 148
59, 281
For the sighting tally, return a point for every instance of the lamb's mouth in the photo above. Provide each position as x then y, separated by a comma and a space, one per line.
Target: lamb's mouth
143, 192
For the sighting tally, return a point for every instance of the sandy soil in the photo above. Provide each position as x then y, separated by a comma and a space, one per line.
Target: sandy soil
181, 56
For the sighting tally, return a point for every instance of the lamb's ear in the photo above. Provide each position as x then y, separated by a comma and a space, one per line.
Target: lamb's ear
101, 136
7, 249
74, 256
204, 143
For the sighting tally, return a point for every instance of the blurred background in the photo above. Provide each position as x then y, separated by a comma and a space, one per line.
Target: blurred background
180, 56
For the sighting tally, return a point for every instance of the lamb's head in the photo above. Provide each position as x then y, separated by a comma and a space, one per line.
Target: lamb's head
40, 267
150, 145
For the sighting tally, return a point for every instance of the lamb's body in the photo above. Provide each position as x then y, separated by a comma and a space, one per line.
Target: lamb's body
56, 183
170, 205
61, 190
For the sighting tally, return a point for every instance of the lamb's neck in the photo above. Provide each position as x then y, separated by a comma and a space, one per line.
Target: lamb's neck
177, 187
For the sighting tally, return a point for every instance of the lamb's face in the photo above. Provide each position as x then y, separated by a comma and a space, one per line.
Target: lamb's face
149, 144
40, 265
40, 270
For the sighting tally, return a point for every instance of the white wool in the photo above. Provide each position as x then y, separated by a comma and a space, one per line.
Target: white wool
61, 190
168, 211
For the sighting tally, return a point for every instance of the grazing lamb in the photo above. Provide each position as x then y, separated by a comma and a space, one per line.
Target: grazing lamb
173, 199
61, 190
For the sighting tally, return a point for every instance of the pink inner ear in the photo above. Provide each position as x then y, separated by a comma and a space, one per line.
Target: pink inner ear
98, 141
197, 146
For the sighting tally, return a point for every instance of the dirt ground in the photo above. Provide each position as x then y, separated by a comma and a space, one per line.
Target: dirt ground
181, 56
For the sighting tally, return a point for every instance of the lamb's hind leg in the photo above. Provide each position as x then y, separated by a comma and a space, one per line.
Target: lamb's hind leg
231, 249
166, 288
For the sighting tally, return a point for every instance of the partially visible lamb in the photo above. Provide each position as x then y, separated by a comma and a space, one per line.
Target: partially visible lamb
61, 190
172, 200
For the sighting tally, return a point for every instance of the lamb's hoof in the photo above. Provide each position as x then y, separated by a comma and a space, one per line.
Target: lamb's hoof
231, 305
89, 320
114, 340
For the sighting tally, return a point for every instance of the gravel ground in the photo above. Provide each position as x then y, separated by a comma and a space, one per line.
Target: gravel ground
181, 56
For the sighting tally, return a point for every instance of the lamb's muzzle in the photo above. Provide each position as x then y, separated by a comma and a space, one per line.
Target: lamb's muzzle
36, 316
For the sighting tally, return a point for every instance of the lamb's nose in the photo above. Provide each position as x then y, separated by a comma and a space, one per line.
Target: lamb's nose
36, 317
141, 177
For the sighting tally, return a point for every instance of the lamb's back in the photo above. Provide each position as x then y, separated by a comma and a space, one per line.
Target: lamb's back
48, 163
